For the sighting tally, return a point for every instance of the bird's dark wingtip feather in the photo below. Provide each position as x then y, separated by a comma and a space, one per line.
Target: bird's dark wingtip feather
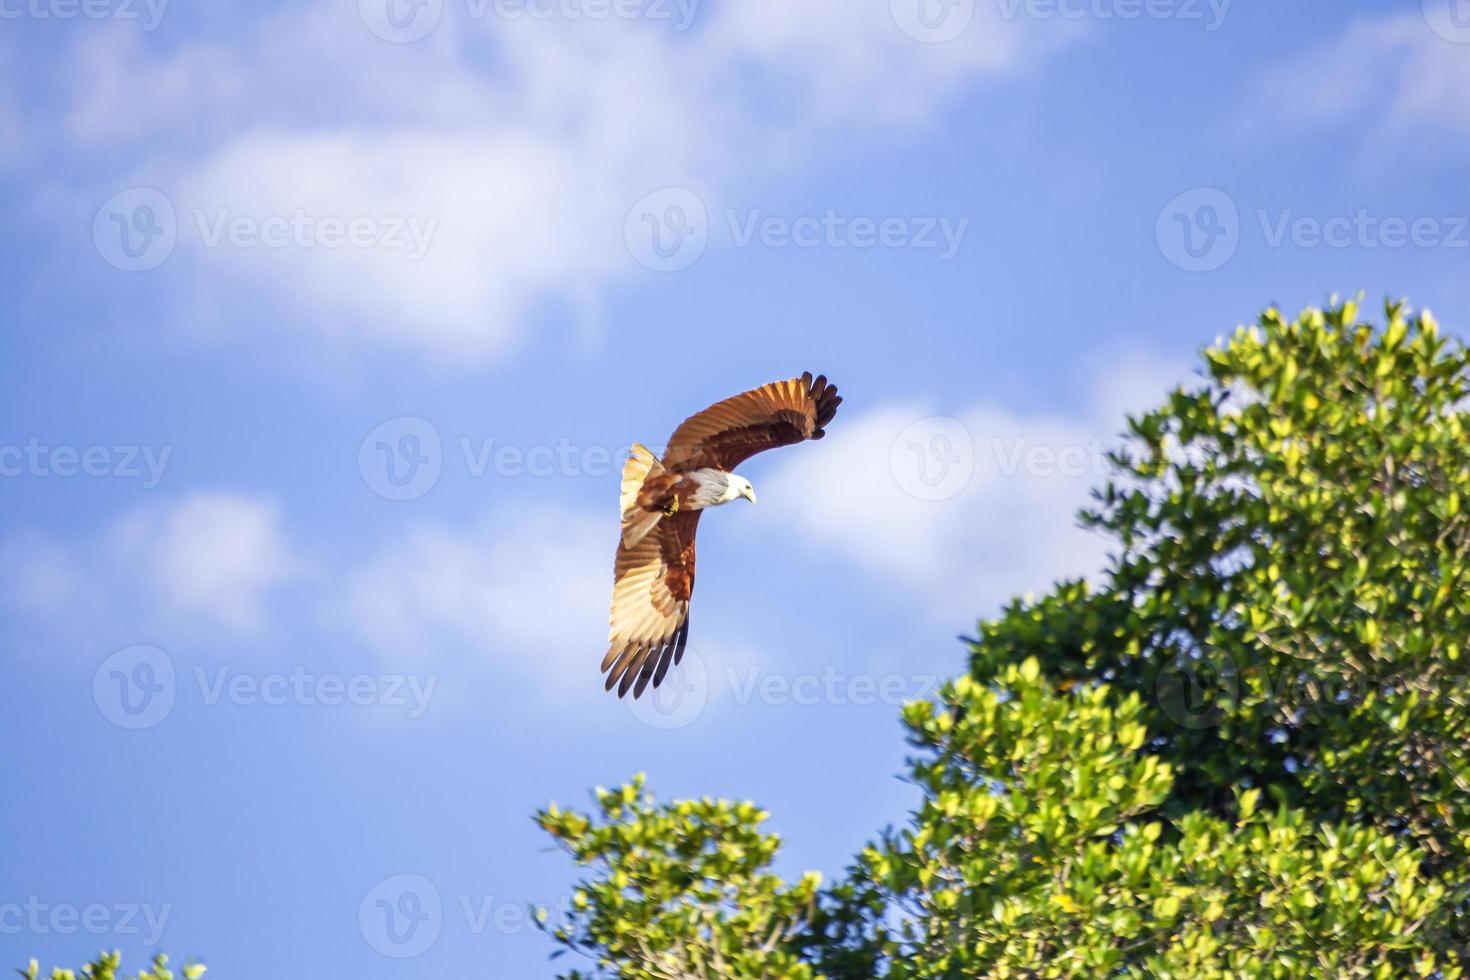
665, 660
645, 672
826, 398
626, 681
640, 666
612, 655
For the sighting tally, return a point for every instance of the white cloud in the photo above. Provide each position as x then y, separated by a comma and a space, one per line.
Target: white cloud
887, 489
214, 555
42, 575
523, 593
526, 140
1393, 78
470, 201
845, 62
518, 593
209, 560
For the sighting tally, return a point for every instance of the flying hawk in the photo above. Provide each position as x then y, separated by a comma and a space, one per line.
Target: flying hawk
653, 577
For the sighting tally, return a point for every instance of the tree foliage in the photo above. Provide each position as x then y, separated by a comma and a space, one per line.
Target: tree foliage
1243, 753
108, 966
681, 890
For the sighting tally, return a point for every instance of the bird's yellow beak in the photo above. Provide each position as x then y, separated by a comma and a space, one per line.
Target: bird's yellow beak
749, 494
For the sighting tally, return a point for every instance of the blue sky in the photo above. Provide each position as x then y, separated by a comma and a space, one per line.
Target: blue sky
253, 257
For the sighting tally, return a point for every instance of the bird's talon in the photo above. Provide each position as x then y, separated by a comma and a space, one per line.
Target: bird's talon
672, 507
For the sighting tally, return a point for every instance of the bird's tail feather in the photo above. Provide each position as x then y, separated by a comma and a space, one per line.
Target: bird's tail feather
637, 522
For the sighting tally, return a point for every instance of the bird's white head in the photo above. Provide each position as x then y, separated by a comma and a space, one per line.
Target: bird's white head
714, 487
740, 487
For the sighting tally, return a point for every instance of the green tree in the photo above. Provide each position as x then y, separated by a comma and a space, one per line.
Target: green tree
1242, 754
681, 889
108, 966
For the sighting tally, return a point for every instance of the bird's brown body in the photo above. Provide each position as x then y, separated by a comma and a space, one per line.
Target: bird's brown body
662, 501
667, 493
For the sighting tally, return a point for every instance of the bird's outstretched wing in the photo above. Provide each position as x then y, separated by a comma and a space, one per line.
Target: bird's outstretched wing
729, 432
652, 583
